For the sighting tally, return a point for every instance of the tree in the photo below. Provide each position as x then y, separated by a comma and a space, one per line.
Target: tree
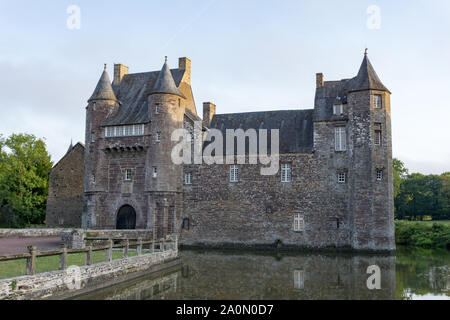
24, 172
400, 173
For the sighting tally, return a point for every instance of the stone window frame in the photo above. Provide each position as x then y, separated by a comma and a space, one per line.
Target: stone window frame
158, 136
378, 101
340, 145
299, 279
342, 177
155, 172
378, 137
299, 222
286, 172
234, 173
188, 178
157, 108
128, 175
379, 175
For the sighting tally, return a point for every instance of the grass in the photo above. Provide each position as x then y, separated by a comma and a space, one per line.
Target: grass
16, 268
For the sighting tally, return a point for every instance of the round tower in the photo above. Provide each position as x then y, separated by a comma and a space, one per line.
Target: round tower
164, 178
371, 176
101, 105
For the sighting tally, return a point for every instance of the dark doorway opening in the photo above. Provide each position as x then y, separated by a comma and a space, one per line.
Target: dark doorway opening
126, 218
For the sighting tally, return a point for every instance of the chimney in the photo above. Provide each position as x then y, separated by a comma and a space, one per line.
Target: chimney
209, 110
319, 80
119, 71
185, 64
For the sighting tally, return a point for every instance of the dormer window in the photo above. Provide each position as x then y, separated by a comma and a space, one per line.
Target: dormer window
377, 101
338, 109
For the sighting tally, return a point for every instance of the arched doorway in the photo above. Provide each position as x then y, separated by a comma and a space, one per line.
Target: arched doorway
126, 218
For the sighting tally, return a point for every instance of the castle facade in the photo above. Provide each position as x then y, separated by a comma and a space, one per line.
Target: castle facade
333, 189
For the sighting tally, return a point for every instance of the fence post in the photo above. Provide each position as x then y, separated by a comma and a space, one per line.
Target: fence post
109, 251
163, 245
139, 247
63, 257
31, 261
89, 256
176, 244
125, 249
152, 246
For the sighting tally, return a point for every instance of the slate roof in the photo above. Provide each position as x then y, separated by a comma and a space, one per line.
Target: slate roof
132, 94
165, 83
103, 90
296, 127
366, 79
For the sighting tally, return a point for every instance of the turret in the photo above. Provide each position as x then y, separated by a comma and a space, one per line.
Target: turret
101, 105
370, 172
166, 113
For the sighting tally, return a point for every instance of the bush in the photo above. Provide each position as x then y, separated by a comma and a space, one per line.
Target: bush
419, 234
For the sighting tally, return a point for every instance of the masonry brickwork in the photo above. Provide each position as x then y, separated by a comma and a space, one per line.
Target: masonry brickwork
65, 194
342, 195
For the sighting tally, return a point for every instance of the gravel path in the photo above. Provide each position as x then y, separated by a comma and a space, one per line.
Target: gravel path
19, 245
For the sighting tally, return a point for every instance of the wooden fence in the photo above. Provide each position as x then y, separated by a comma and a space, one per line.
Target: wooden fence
125, 244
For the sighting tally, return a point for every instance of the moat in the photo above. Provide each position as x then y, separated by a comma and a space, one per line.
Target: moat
217, 275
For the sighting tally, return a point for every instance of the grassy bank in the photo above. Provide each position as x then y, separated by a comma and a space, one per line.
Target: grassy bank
426, 234
16, 268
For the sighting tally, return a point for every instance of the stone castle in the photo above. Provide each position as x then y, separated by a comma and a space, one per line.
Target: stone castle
334, 188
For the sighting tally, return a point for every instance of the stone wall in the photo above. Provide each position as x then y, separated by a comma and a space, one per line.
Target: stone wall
65, 194
30, 233
50, 284
259, 210
75, 238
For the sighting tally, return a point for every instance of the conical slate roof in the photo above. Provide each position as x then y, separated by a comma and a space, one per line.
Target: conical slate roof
104, 90
367, 78
165, 82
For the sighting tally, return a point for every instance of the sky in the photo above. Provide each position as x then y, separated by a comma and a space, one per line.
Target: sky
246, 56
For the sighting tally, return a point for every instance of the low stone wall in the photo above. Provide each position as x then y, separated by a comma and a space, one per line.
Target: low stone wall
30, 233
74, 238
59, 283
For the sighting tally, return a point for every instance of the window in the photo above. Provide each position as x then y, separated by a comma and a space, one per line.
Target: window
299, 279
234, 173
157, 109
338, 109
342, 177
337, 223
158, 137
155, 172
299, 223
286, 172
188, 178
377, 101
379, 175
185, 224
94, 106
377, 137
340, 138
93, 137
128, 175
124, 131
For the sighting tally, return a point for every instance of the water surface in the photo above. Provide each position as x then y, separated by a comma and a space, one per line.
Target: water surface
410, 274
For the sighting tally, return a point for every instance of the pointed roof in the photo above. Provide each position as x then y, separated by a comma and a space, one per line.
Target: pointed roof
71, 146
367, 78
165, 82
104, 90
